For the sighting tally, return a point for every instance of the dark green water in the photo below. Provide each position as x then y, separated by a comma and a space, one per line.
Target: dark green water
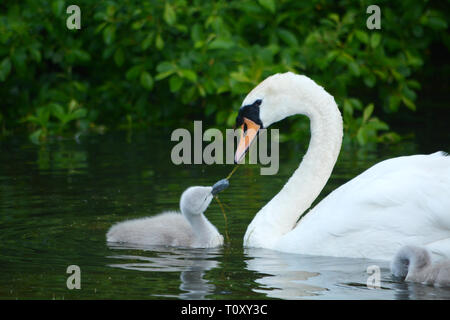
58, 201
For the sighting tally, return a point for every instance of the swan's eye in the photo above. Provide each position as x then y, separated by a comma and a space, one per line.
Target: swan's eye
257, 103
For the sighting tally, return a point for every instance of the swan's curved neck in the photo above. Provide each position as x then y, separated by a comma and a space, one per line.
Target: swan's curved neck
281, 214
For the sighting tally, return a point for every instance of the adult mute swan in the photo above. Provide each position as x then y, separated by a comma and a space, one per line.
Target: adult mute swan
399, 201
188, 229
413, 264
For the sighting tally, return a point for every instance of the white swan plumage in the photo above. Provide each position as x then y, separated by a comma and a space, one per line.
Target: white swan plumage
414, 264
399, 201
188, 229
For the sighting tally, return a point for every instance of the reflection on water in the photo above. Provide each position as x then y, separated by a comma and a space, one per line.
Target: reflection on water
58, 201
190, 263
294, 276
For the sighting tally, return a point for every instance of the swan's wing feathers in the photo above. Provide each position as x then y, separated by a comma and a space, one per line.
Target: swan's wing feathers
399, 201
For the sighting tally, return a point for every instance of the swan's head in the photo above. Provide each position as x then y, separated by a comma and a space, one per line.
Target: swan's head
195, 200
277, 97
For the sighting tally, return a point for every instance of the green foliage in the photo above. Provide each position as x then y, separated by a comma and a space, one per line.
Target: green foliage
162, 62
53, 118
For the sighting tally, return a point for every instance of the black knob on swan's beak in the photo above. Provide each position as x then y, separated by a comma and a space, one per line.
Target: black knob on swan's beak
219, 186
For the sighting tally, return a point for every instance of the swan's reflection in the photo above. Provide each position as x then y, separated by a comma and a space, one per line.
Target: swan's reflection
294, 276
192, 263
282, 276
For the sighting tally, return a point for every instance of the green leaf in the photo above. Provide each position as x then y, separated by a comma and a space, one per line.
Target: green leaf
367, 112
57, 7
197, 32
201, 90
356, 103
109, 34
391, 137
232, 119
370, 80
408, 93
189, 74
159, 43
133, 72
375, 40
165, 70
409, 103
239, 76
119, 57
437, 23
73, 104
288, 37
146, 80
79, 113
147, 41
221, 43
188, 94
394, 102
163, 75
175, 84
32, 119
166, 66
268, 4
361, 136
362, 36
375, 124
5, 68
35, 54
35, 136
334, 17
43, 114
138, 24
348, 109
221, 116
354, 68
81, 55
58, 111
170, 16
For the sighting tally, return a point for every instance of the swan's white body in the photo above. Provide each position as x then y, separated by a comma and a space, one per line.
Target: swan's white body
414, 264
399, 201
188, 229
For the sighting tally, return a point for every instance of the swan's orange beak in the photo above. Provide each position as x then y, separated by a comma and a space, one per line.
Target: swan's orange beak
247, 136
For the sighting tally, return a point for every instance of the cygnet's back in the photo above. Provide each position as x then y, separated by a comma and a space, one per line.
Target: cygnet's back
414, 264
168, 229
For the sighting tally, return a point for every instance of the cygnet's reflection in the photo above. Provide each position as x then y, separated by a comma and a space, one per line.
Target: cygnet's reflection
295, 276
192, 263
417, 291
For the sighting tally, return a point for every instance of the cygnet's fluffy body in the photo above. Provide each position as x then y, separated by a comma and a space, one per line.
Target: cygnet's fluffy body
190, 228
414, 264
157, 230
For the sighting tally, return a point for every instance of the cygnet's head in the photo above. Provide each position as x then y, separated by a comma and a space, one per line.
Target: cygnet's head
409, 258
195, 200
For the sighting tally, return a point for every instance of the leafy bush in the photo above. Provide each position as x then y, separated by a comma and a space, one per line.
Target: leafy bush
157, 62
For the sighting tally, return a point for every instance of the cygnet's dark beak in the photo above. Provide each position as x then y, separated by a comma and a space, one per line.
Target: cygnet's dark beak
219, 186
